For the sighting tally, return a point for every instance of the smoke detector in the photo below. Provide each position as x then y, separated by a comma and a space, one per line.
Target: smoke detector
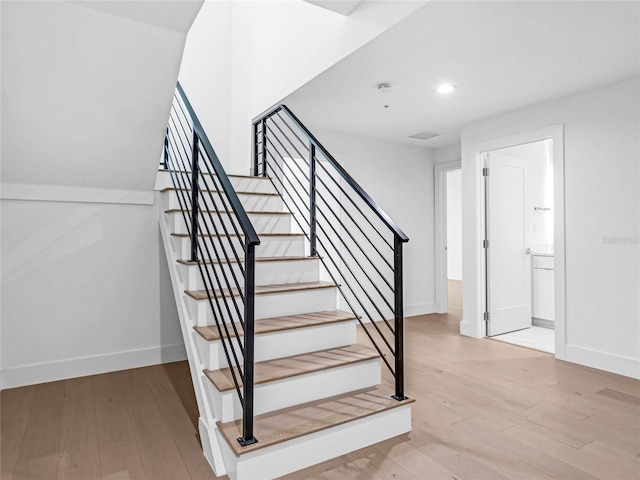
384, 88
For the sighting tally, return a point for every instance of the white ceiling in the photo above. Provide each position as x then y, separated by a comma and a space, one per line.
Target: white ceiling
343, 7
501, 55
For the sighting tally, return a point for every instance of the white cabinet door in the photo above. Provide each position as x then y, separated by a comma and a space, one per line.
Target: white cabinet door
543, 293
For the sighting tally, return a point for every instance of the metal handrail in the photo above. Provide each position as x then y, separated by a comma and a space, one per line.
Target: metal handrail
194, 166
271, 152
343, 173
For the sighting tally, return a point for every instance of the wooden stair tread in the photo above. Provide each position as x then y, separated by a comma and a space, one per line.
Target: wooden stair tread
294, 422
287, 367
278, 324
263, 289
174, 189
258, 259
178, 210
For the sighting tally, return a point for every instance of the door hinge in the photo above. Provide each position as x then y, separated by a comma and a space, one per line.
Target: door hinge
486, 316
485, 244
485, 172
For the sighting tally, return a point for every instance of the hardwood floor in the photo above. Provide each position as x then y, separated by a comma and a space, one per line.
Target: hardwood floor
483, 410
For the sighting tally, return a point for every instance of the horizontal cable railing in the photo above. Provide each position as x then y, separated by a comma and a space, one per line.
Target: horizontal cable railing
359, 245
222, 244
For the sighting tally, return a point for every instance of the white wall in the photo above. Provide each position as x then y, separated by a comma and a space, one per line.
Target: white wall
268, 49
400, 179
450, 153
205, 74
84, 291
536, 158
86, 90
454, 224
602, 212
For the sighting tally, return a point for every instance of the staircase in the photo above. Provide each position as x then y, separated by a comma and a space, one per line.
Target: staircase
280, 377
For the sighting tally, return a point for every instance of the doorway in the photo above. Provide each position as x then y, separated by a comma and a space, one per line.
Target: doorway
473, 229
519, 244
448, 241
453, 246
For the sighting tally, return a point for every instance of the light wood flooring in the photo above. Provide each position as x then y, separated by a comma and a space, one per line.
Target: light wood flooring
483, 410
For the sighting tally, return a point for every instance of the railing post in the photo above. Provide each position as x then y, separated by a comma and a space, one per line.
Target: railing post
165, 163
312, 199
264, 147
398, 318
254, 170
249, 296
194, 197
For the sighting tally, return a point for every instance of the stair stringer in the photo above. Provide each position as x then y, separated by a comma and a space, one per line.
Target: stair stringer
207, 421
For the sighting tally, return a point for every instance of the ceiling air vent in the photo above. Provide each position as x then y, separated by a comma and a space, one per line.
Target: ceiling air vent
424, 135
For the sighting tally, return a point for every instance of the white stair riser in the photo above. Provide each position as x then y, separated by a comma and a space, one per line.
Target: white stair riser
270, 305
240, 184
267, 273
270, 246
293, 455
262, 223
296, 390
250, 202
280, 344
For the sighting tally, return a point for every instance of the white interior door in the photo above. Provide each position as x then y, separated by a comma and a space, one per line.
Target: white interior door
508, 260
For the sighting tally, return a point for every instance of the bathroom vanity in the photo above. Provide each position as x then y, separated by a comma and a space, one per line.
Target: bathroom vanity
543, 288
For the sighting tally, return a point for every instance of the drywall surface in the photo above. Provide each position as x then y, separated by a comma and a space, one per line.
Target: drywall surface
86, 91
602, 218
454, 224
399, 178
84, 291
261, 51
446, 154
536, 158
205, 74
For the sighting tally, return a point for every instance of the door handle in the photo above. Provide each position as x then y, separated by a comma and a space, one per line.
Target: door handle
528, 251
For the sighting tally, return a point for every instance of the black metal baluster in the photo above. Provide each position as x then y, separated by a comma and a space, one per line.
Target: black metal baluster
250, 285
398, 318
254, 170
312, 199
264, 147
165, 163
194, 198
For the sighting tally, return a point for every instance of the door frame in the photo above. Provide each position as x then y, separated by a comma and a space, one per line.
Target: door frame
556, 133
442, 290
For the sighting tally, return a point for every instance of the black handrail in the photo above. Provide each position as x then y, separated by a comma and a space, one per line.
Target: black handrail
197, 175
343, 173
245, 223
300, 187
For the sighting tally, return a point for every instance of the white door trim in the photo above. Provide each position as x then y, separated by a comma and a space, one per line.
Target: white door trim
440, 178
474, 324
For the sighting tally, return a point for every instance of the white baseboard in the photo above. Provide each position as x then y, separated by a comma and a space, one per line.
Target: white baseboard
419, 309
609, 362
409, 311
454, 276
469, 329
81, 367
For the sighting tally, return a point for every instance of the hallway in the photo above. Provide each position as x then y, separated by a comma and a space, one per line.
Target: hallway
484, 409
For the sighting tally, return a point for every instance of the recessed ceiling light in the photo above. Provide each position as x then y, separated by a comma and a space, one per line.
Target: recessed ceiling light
445, 88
